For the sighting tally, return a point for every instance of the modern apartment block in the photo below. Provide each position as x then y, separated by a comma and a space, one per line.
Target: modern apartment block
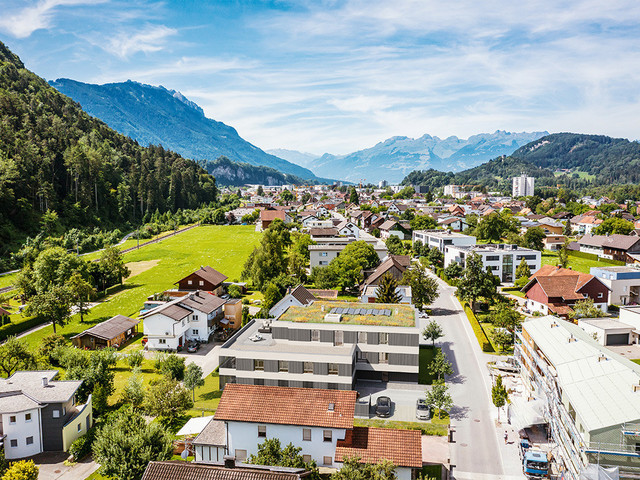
523, 186
442, 238
591, 396
503, 259
325, 345
623, 283
39, 414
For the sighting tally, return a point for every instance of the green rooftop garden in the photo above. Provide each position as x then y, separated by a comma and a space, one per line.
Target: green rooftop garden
401, 315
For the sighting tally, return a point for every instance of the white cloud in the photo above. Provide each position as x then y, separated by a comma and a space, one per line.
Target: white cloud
21, 23
148, 39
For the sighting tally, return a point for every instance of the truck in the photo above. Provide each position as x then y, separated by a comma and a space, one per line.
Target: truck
535, 464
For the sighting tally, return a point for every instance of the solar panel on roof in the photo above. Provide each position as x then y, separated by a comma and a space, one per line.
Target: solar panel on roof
350, 311
387, 312
370, 311
376, 312
336, 310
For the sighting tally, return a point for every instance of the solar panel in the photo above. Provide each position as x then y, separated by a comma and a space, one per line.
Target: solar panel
387, 313
351, 311
376, 312
337, 310
370, 311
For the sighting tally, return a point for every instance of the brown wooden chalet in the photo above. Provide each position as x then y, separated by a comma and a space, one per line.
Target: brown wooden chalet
206, 278
110, 333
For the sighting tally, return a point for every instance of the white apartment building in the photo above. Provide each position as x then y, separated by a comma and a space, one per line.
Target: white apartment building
191, 317
623, 283
452, 190
523, 186
591, 397
442, 238
327, 249
503, 259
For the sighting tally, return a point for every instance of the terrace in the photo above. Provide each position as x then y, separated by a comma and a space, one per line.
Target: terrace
353, 313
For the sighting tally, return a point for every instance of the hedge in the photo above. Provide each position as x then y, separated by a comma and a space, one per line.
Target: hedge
594, 257
479, 332
11, 329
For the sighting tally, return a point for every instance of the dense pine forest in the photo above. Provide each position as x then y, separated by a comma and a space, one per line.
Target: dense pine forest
56, 158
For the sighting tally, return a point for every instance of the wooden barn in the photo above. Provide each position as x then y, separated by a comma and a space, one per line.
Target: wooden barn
110, 333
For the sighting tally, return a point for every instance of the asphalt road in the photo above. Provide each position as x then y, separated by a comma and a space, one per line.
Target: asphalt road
475, 453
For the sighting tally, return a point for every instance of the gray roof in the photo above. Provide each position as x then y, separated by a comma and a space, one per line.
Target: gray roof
303, 295
203, 302
213, 434
30, 383
110, 328
617, 241
16, 402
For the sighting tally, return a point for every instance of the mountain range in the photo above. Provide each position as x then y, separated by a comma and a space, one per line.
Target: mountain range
154, 115
394, 158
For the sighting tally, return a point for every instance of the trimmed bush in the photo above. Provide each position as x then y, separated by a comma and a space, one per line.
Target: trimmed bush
479, 332
81, 447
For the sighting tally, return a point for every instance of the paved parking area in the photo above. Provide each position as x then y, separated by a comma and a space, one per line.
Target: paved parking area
52, 467
403, 398
631, 352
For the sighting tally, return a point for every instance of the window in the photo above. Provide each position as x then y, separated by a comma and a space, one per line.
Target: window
12, 419
79, 427
362, 337
258, 381
241, 455
306, 434
308, 367
315, 335
258, 365
56, 414
306, 458
600, 295
262, 431
324, 262
283, 366
29, 440
360, 356
333, 369
283, 383
327, 460
383, 357
326, 435
194, 318
27, 417
183, 322
195, 331
162, 341
14, 443
201, 283
494, 267
492, 258
189, 282
323, 254
383, 338
338, 338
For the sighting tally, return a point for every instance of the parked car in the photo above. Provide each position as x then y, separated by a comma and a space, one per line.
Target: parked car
193, 346
383, 407
423, 412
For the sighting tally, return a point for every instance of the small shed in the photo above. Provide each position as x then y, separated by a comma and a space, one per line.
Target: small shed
112, 332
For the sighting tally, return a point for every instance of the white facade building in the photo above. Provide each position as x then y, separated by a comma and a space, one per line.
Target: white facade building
503, 259
523, 186
442, 238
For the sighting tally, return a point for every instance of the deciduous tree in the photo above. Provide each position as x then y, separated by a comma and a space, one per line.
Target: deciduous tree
440, 366
424, 288
476, 282
193, 378
499, 394
270, 452
438, 397
353, 469
53, 304
80, 292
22, 470
432, 332
167, 398
15, 355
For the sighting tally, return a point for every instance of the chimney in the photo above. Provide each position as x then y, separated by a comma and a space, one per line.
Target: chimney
45, 382
602, 357
229, 461
332, 407
571, 338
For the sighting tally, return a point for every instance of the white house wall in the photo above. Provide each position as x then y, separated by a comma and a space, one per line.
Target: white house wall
20, 431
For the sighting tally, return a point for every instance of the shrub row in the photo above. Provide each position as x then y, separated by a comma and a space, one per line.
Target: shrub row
479, 332
11, 329
594, 257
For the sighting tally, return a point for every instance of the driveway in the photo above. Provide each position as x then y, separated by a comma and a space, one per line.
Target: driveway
403, 398
475, 453
207, 357
52, 467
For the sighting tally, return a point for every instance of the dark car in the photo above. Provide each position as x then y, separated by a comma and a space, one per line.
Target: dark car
192, 347
383, 407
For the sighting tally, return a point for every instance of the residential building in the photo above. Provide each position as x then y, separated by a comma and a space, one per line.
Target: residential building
591, 396
585, 224
113, 332
442, 238
311, 419
192, 317
623, 283
370, 294
393, 227
298, 297
268, 216
523, 186
613, 247
181, 470
452, 190
554, 242
206, 278
630, 315
373, 445
457, 224
607, 331
555, 290
39, 414
503, 259
328, 249
232, 314
325, 344
211, 443
394, 265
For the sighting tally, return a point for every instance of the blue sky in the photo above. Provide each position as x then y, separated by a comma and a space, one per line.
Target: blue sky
337, 76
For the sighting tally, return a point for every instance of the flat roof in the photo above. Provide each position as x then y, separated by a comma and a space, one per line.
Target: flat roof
619, 269
382, 314
605, 323
444, 233
493, 248
597, 382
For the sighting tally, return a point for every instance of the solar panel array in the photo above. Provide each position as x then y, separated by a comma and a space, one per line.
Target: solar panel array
361, 311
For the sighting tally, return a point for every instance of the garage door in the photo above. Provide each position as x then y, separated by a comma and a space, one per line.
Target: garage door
618, 339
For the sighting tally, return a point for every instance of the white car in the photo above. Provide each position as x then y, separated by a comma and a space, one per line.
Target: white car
423, 412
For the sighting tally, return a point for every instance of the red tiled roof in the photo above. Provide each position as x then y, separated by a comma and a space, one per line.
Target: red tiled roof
371, 445
176, 470
270, 215
287, 406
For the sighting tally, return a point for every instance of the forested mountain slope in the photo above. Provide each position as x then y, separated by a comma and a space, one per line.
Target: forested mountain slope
54, 156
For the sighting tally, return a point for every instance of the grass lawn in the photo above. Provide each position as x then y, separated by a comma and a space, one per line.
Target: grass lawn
637, 360
6, 280
437, 426
224, 248
513, 291
426, 355
578, 264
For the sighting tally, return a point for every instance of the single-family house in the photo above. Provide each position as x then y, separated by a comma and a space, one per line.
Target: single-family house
614, 247
110, 333
227, 470
299, 296
623, 283
555, 290
206, 278
393, 227
268, 216
40, 414
395, 265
